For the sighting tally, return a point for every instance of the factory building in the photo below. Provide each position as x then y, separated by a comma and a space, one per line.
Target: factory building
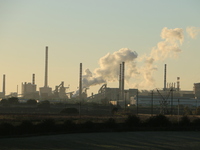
113, 95
29, 90
196, 90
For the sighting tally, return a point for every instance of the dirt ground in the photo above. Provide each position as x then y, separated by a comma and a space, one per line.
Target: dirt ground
99, 141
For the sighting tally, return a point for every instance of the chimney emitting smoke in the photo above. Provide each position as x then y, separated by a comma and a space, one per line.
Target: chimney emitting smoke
120, 80
122, 86
165, 74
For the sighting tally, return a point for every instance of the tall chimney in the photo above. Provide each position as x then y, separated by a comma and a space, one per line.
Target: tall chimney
122, 86
4, 84
120, 81
178, 83
46, 68
165, 73
33, 80
80, 82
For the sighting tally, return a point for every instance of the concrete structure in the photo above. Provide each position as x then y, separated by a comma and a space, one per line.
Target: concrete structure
29, 91
112, 95
46, 92
3, 93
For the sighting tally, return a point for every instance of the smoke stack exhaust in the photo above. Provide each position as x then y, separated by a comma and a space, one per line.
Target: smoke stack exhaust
165, 73
33, 80
4, 84
80, 82
46, 68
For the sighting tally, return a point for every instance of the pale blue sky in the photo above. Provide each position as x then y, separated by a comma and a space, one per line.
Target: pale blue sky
86, 30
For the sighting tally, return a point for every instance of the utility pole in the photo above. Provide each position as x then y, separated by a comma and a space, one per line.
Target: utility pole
152, 103
178, 110
172, 101
125, 100
137, 103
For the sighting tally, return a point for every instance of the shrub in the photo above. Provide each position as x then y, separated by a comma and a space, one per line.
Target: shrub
187, 111
47, 125
69, 111
110, 123
26, 126
197, 111
69, 125
196, 122
132, 121
44, 104
114, 110
4, 102
88, 125
158, 121
31, 102
13, 100
184, 121
6, 128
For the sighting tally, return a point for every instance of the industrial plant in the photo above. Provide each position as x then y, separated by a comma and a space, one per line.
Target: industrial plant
170, 94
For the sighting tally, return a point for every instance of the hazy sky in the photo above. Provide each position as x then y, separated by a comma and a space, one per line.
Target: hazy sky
83, 31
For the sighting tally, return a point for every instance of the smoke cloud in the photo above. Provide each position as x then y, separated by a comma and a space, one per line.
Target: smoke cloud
192, 31
108, 71
168, 48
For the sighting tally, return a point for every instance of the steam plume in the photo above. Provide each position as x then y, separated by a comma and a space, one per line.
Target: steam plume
109, 67
169, 48
108, 70
192, 31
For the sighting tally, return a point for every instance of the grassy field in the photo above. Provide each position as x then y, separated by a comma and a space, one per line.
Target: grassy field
114, 140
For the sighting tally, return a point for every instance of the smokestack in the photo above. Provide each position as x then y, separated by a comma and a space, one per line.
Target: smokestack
165, 73
4, 84
33, 80
80, 82
46, 68
120, 80
122, 86
178, 83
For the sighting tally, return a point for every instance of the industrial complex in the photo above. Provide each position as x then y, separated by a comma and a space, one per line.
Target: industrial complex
171, 93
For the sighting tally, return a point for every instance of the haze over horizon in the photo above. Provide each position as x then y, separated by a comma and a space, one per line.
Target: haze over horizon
100, 34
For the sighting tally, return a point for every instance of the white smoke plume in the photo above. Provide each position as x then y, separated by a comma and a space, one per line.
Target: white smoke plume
193, 31
169, 48
108, 70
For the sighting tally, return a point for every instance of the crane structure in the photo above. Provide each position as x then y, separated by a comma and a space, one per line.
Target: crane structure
164, 102
59, 91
